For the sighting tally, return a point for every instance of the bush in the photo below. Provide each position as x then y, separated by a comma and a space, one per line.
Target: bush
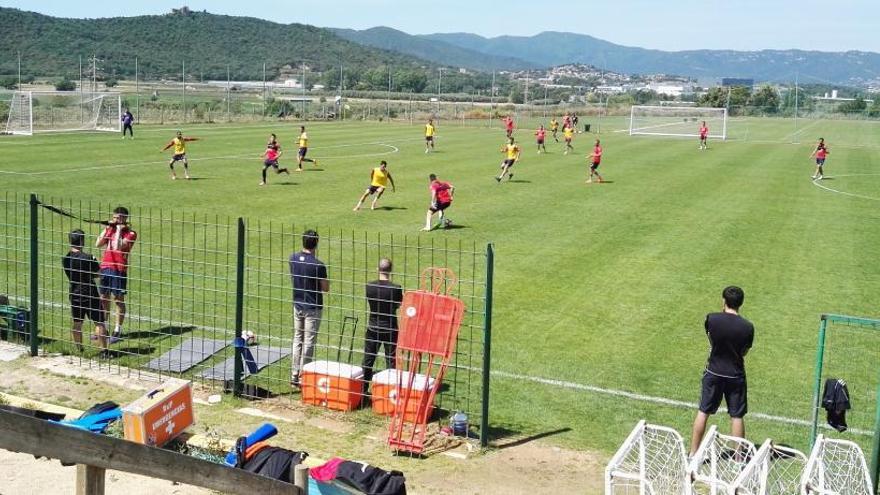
65, 85
111, 83
9, 83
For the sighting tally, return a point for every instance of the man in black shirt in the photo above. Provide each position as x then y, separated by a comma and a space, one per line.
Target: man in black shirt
730, 338
309, 278
384, 297
82, 269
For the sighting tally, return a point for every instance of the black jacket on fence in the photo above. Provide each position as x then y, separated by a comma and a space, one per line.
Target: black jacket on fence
835, 401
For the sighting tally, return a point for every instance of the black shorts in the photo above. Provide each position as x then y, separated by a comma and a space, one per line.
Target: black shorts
372, 189
179, 157
302, 152
429, 139
540, 142
439, 206
733, 390
86, 305
271, 163
594, 165
509, 162
820, 161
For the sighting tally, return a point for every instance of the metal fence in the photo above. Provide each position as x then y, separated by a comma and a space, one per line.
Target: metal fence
196, 282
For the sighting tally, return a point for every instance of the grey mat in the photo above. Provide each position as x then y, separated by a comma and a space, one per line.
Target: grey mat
186, 355
263, 356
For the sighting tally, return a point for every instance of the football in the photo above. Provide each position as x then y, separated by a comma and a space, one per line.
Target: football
249, 337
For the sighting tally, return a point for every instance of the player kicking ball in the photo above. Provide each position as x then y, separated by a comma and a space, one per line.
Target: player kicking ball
704, 136
595, 159
513, 152
821, 152
271, 156
179, 143
303, 149
441, 199
379, 179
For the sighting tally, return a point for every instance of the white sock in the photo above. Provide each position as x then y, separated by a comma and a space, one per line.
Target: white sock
118, 329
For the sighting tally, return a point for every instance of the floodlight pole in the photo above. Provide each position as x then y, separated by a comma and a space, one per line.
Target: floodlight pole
228, 116
81, 98
19, 70
795, 102
264, 89
137, 91
439, 81
183, 87
304, 91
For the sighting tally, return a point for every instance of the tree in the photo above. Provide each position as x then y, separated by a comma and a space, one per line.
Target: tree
111, 82
65, 85
9, 83
874, 111
855, 106
766, 98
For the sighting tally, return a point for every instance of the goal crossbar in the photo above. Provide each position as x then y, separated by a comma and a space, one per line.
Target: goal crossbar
677, 121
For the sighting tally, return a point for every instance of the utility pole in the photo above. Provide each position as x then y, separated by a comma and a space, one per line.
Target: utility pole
137, 91
264, 89
439, 81
228, 95
304, 91
19, 70
183, 87
95, 72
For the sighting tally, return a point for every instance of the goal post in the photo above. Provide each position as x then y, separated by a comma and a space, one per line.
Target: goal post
677, 121
651, 461
63, 111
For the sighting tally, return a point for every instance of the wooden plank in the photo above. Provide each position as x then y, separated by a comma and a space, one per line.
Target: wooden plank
89, 480
20, 433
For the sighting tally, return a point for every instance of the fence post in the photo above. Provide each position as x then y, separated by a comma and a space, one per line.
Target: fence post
487, 345
34, 275
817, 385
239, 310
875, 455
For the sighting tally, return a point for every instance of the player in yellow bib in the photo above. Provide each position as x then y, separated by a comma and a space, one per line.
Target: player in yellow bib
179, 143
379, 179
429, 135
303, 149
512, 150
568, 135
554, 128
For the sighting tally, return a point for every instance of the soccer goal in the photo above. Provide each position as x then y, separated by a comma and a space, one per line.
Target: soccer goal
718, 462
651, 461
836, 467
677, 121
774, 470
60, 111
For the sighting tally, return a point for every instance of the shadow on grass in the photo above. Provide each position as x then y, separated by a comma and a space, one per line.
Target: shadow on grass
520, 181
159, 332
504, 438
284, 184
390, 208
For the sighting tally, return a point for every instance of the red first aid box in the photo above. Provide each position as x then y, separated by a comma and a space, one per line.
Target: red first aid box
333, 385
388, 392
160, 415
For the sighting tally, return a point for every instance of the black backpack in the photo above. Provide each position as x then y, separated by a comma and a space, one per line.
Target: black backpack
274, 462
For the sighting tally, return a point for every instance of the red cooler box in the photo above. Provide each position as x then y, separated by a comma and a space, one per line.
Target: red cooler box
386, 393
160, 415
332, 385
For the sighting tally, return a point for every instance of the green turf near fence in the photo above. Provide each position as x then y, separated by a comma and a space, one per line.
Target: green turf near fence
602, 285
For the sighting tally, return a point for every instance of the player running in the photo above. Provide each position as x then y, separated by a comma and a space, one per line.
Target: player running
430, 130
271, 155
379, 179
539, 135
568, 135
303, 149
441, 199
508, 125
704, 136
179, 143
513, 152
595, 159
820, 153
554, 128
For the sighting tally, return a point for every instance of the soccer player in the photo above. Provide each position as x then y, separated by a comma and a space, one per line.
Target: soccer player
508, 125
127, 120
271, 155
566, 120
513, 151
303, 149
429, 135
539, 135
595, 159
179, 143
82, 269
820, 153
554, 128
568, 135
704, 136
441, 199
119, 238
379, 179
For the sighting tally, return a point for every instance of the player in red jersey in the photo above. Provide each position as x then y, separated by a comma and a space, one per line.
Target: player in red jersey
508, 125
704, 136
271, 155
820, 153
595, 159
540, 134
119, 238
441, 199
566, 120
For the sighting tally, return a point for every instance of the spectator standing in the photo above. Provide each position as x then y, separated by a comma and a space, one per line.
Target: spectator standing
308, 275
384, 298
81, 270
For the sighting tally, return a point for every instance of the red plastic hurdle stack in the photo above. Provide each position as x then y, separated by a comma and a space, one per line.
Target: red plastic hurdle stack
429, 324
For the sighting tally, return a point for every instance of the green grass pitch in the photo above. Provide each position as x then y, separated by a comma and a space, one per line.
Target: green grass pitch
602, 285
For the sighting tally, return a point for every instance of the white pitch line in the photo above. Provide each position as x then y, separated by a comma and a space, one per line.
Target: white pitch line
817, 183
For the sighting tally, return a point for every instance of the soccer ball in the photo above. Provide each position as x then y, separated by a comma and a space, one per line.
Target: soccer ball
249, 337
447, 223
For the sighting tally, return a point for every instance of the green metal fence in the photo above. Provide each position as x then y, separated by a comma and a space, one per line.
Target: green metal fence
201, 281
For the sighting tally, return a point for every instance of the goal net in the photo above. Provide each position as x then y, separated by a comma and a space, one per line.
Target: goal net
677, 121
775, 470
836, 467
60, 111
718, 462
651, 461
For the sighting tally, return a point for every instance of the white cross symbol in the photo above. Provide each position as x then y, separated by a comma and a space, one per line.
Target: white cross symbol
169, 427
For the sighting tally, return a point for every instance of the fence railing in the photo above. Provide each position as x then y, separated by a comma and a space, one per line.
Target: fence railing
197, 282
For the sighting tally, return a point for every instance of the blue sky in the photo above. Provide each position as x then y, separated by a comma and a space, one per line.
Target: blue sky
666, 25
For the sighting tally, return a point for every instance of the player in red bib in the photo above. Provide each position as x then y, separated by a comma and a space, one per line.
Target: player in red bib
595, 159
271, 155
820, 153
540, 134
704, 136
119, 238
441, 199
508, 125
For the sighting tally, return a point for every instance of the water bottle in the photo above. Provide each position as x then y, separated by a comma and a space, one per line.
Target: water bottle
459, 424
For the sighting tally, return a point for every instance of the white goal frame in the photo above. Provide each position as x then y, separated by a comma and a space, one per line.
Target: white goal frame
836, 467
719, 461
651, 461
98, 111
684, 113
774, 470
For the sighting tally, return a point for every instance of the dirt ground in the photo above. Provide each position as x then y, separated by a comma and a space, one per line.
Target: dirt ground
514, 467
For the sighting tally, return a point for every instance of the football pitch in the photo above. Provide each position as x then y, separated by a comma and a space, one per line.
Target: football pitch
600, 289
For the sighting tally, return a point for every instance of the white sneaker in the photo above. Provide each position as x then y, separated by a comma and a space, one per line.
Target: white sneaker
814, 177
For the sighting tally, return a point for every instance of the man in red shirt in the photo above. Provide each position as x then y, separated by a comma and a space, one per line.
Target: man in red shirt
821, 153
704, 136
441, 198
595, 159
540, 134
508, 125
119, 238
271, 155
